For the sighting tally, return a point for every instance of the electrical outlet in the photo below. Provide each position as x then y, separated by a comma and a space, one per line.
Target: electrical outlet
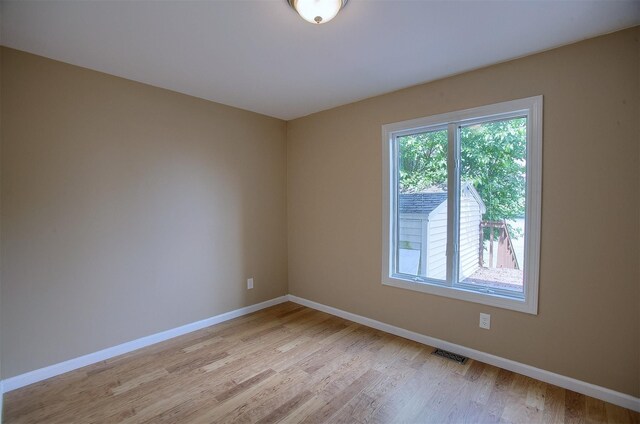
485, 321
249, 283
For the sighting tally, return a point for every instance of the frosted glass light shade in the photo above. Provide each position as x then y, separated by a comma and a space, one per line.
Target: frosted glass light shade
317, 11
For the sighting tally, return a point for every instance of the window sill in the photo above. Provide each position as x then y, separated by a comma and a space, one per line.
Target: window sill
490, 299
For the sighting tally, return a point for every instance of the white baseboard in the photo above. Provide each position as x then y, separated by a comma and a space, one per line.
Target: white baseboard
588, 389
598, 392
56, 369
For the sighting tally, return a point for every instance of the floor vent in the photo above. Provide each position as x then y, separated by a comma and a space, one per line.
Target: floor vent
450, 355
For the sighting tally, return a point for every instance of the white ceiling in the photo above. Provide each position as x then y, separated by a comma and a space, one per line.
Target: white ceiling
260, 56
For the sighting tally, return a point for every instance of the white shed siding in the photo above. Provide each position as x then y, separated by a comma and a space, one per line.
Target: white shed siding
470, 216
428, 234
410, 233
437, 243
413, 233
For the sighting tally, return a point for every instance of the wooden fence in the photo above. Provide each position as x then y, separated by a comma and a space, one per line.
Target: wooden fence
506, 253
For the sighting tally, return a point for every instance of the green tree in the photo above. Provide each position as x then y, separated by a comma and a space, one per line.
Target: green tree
423, 161
492, 158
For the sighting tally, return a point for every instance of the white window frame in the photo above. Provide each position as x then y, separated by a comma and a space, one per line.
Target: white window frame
530, 107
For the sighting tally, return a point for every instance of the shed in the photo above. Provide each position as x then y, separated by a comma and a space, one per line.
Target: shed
423, 232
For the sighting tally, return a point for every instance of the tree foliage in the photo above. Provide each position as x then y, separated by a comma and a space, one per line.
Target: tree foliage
423, 161
492, 158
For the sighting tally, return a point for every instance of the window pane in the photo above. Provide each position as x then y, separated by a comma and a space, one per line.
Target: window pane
492, 204
422, 205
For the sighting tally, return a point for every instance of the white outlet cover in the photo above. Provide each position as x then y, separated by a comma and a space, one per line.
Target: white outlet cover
250, 283
485, 321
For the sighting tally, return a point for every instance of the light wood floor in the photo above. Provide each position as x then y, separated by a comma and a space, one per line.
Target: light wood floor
292, 364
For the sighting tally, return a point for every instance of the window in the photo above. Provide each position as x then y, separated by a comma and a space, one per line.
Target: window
461, 204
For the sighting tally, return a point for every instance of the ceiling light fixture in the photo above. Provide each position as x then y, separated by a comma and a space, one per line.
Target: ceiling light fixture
317, 11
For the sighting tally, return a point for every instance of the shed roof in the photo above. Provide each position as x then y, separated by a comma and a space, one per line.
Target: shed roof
427, 201
422, 203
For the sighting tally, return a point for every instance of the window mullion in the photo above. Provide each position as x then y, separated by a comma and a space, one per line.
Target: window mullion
395, 221
453, 203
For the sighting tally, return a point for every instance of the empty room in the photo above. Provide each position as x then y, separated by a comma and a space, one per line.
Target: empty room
319, 211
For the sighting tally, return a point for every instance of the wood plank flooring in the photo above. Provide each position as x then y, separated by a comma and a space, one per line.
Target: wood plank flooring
293, 364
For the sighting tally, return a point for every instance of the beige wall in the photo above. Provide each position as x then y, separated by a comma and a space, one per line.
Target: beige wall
588, 326
128, 210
